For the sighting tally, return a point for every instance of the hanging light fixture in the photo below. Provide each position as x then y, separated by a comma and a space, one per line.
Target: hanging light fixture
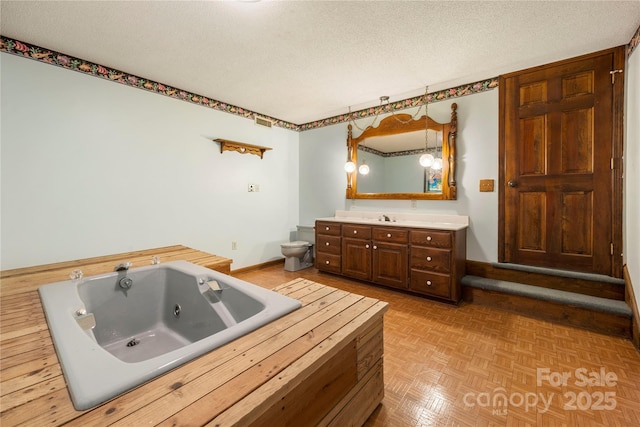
364, 167
437, 164
426, 159
349, 166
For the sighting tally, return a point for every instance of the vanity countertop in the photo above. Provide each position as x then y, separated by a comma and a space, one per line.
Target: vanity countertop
429, 221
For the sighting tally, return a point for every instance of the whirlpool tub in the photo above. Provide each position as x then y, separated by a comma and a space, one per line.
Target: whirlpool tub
115, 331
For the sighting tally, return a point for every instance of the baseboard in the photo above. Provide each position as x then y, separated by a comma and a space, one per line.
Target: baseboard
579, 286
258, 266
631, 302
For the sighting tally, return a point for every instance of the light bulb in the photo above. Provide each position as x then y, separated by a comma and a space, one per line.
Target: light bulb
426, 160
437, 164
349, 166
363, 169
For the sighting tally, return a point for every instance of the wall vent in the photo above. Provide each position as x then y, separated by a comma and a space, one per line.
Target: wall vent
263, 121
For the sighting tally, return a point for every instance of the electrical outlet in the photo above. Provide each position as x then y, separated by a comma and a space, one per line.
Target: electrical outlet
486, 185
253, 188
234, 246
414, 204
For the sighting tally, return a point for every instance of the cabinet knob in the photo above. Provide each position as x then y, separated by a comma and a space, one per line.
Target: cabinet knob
428, 258
366, 246
326, 228
355, 231
388, 234
327, 244
326, 262
428, 238
428, 282
375, 247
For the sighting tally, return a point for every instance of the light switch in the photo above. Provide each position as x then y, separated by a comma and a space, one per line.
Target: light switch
486, 185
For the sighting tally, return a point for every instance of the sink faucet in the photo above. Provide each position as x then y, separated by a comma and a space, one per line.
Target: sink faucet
386, 218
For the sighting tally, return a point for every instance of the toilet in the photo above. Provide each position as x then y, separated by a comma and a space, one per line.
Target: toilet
299, 253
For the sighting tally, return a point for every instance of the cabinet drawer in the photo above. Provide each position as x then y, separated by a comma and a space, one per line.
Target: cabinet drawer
431, 283
434, 239
431, 259
327, 227
392, 235
356, 231
328, 262
328, 244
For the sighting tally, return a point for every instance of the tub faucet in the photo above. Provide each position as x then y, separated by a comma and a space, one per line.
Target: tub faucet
124, 282
123, 266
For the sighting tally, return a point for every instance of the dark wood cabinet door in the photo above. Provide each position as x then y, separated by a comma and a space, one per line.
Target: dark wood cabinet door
558, 206
391, 264
356, 258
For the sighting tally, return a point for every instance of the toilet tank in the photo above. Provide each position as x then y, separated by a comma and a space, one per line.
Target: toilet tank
308, 234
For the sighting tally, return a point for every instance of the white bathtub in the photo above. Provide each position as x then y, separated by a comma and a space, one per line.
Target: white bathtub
110, 339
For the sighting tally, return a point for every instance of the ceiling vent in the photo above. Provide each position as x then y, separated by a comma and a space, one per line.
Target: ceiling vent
263, 121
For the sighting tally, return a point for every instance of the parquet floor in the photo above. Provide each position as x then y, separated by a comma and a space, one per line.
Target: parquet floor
477, 366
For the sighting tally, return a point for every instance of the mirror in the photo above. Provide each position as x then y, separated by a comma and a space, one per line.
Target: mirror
392, 151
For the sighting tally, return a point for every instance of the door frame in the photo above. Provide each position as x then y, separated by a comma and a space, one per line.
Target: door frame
617, 140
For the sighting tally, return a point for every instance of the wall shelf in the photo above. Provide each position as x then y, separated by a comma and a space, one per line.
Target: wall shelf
241, 147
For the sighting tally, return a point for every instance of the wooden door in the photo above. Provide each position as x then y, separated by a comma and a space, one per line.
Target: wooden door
560, 145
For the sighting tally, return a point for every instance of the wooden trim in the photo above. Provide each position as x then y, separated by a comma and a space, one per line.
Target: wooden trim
617, 146
563, 61
257, 266
630, 299
502, 93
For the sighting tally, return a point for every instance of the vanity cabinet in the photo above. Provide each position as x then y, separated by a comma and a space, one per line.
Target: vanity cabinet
329, 246
390, 255
356, 251
425, 261
437, 262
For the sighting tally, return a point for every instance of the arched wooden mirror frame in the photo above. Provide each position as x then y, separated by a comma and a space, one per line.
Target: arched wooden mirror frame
391, 126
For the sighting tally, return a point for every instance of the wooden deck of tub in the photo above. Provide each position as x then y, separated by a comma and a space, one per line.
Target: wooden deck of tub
320, 365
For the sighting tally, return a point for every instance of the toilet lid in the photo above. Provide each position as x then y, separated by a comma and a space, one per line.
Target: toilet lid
296, 244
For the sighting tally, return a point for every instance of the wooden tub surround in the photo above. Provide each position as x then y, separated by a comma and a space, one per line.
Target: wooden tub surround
319, 365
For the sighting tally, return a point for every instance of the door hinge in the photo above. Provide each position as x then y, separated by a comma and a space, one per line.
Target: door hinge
613, 75
611, 248
612, 164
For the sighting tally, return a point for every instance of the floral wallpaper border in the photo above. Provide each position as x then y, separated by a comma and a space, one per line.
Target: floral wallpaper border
16, 47
41, 54
456, 92
27, 50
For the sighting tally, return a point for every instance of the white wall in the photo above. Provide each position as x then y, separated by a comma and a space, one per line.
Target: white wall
91, 167
323, 181
632, 172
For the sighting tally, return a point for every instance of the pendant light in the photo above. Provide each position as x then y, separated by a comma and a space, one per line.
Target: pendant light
437, 164
364, 167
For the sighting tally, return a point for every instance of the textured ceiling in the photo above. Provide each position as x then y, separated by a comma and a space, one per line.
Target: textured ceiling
308, 60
